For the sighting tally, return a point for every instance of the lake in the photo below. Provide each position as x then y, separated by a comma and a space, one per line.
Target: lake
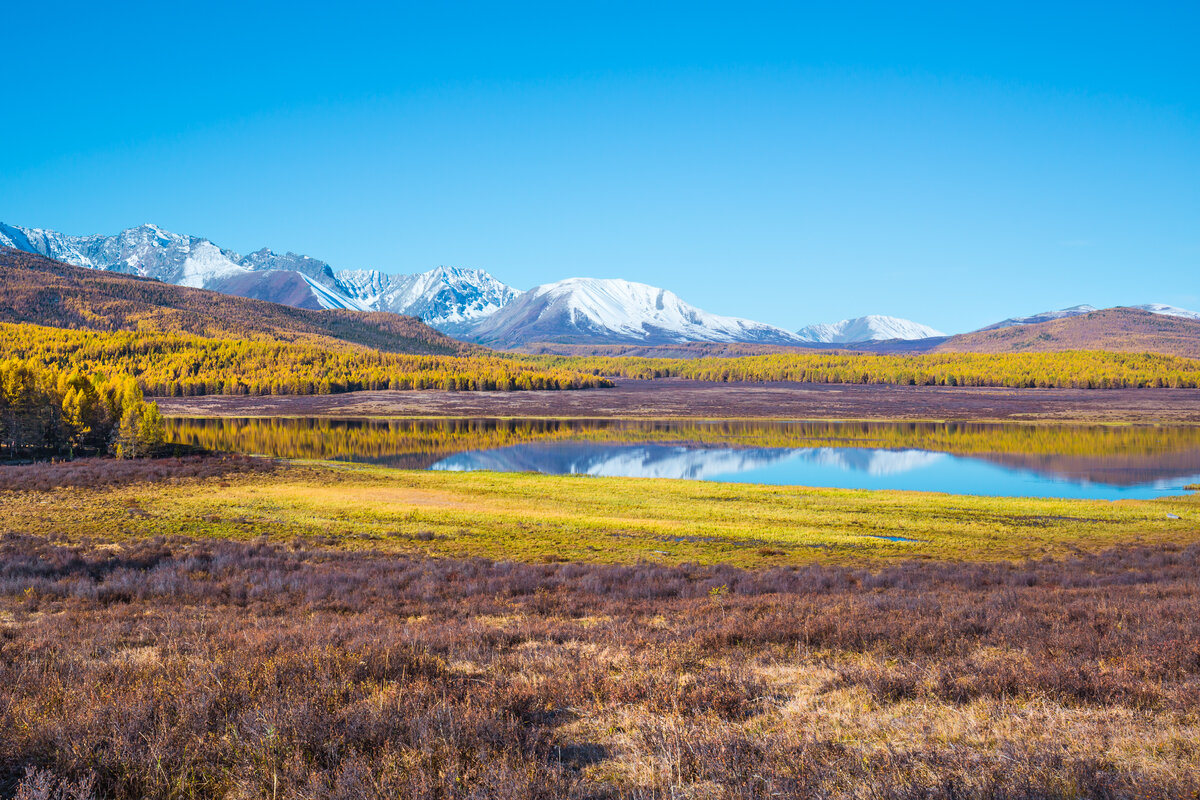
1077, 461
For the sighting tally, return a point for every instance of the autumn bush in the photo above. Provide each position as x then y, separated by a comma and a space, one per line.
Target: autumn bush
45, 476
185, 668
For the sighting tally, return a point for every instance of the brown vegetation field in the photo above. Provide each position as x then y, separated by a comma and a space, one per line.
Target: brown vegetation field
684, 399
176, 668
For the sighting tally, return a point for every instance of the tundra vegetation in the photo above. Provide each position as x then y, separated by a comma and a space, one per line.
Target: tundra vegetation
247, 628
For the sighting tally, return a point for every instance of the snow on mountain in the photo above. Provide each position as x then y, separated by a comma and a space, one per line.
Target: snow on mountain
1168, 311
312, 268
450, 299
1080, 310
1045, 316
146, 250
871, 328
593, 310
43, 242
447, 297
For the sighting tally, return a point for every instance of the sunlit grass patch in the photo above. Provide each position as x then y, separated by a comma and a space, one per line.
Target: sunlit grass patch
533, 517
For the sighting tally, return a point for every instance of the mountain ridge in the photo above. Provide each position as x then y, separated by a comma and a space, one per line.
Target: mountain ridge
39, 290
614, 311
444, 296
1121, 329
870, 328
472, 305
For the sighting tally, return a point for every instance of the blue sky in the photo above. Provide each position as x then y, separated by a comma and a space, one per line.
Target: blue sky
791, 163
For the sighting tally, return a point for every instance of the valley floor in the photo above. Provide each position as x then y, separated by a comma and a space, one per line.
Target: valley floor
238, 628
683, 399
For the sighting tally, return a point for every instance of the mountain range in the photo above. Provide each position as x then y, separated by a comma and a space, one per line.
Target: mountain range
871, 328
1083, 310
472, 305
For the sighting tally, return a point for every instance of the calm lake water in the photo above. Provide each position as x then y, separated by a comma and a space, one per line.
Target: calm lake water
1014, 460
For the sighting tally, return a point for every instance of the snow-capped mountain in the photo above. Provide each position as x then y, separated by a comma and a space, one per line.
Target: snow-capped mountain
146, 250
450, 299
267, 259
594, 310
871, 328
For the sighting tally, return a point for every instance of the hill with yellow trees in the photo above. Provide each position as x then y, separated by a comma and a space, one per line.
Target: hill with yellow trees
42, 291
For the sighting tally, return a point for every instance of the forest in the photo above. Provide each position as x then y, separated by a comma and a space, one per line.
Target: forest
1077, 369
46, 412
182, 364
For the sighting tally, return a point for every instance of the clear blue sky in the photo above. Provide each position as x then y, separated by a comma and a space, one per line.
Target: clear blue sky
790, 162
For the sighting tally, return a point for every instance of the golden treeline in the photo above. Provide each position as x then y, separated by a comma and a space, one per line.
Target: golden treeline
49, 411
1077, 369
169, 364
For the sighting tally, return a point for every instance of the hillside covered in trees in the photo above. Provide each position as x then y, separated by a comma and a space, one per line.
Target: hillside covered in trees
175, 340
1126, 330
42, 291
183, 364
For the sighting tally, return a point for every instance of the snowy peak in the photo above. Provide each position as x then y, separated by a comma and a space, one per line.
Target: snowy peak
448, 298
594, 310
1168, 311
146, 250
871, 328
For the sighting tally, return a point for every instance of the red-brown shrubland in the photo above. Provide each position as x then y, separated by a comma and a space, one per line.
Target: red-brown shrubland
182, 668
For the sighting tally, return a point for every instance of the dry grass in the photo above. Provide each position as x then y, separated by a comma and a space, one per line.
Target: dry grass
182, 668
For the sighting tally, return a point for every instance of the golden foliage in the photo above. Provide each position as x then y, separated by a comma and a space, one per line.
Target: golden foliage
1079, 369
183, 364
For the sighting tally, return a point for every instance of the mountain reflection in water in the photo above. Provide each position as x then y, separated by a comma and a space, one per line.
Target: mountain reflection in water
1101, 462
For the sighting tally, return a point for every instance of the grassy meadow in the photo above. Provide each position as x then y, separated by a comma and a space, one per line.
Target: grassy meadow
537, 518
